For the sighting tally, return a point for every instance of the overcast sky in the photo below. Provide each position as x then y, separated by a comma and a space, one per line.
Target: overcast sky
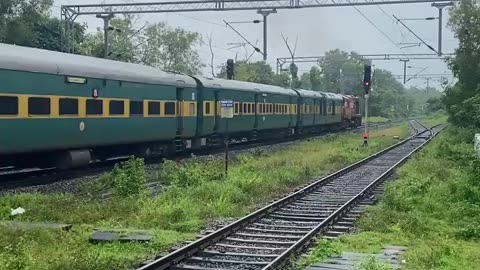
318, 30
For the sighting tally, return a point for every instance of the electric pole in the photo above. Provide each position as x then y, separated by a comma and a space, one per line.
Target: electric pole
428, 84
106, 24
265, 13
440, 7
404, 69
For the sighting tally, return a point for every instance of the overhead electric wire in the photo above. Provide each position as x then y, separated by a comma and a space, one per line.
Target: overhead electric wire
376, 27
416, 74
246, 40
413, 33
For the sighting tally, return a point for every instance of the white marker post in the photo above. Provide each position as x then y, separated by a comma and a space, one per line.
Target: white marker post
227, 113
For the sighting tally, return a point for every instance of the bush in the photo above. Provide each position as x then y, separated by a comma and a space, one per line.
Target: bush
128, 178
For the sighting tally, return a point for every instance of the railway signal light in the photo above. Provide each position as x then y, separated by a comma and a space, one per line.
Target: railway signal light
230, 69
367, 78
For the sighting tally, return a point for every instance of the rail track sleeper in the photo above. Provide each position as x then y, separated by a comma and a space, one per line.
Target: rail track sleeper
194, 267
283, 226
226, 246
266, 236
216, 253
302, 214
343, 222
275, 231
296, 218
308, 208
255, 241
207, 260
313, 212
340, 228
334, 233
267, 220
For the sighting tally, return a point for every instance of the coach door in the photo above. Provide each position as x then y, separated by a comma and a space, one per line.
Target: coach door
216, 111
179, 110
256, 109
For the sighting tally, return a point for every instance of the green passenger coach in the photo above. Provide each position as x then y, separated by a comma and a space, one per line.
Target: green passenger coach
51, 102
68, 110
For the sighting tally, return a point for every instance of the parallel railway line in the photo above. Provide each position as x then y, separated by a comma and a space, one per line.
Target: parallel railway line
267, 238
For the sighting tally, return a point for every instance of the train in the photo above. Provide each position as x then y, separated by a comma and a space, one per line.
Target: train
65, 110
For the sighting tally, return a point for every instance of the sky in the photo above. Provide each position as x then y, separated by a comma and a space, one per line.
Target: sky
317, 29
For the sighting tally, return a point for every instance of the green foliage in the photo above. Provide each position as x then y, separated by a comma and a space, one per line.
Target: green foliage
170, 49
189, 174
372, 263
341, 73
463, 99
156, 45
27, 23
324, 249
128, 178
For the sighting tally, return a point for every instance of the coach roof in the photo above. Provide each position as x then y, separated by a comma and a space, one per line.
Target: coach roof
43, 61
245, 86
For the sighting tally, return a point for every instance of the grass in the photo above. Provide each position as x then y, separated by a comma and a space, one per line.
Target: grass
433, 209
377, 119
197, 193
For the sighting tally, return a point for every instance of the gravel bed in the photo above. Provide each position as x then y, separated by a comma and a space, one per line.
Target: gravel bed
72, 186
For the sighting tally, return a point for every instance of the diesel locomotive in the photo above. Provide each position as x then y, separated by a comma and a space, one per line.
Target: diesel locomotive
66, 110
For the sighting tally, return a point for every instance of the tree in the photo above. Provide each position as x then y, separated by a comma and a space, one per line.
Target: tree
463, 99
341, 72
156, 45
434, 104
27, 23
122, 41
171, 49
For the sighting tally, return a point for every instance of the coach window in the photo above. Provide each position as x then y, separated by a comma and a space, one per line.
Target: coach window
8, 106
207, 108
245, 108
94, 107
153, 108
237, 108
333, 108
116, 107
38, 106
68, 106
136, 108
169, 108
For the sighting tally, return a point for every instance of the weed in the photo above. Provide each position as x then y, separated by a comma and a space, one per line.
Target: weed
325, 249
372, 263
128, 178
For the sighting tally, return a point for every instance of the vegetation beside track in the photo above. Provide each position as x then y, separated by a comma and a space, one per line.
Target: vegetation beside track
377, 120
432, 209
195, 193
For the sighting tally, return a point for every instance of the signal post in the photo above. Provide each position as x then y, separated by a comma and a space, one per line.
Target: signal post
367, 83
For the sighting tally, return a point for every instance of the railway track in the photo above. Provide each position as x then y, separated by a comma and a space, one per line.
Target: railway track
11, 178
267, 238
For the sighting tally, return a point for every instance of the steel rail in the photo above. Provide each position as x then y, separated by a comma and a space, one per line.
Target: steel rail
347, 206
189, 250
